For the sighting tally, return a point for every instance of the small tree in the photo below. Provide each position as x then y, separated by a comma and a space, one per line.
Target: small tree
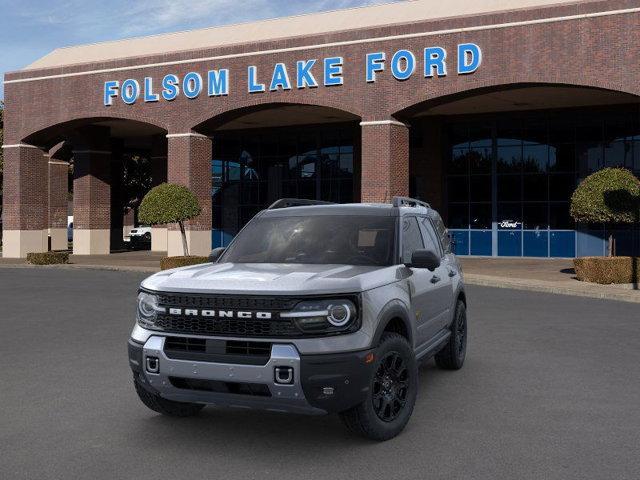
611, 195
170, 203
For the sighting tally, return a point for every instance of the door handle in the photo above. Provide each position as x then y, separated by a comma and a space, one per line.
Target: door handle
435, 279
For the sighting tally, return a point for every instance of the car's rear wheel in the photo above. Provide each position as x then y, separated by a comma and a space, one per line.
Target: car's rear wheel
392, 392
166, 407
452, 356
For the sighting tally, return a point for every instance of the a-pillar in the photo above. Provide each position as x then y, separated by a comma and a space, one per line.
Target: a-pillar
58, 191
385, 160
159, 175
92, 192
25, 212
189, 164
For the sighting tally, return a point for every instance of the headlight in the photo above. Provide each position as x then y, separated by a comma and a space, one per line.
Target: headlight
325, 316
148, 309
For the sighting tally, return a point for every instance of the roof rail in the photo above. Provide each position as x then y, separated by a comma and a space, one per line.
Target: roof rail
296, 202
409, 202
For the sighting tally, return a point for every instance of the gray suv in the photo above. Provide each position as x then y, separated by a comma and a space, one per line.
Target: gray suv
313, 308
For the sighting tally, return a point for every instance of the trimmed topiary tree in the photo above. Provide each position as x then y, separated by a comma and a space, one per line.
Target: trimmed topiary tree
170, 203
611, 195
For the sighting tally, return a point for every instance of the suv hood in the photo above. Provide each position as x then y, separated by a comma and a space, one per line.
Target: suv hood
269, 278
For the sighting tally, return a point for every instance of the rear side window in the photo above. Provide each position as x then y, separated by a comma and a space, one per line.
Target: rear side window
411, 238
430, 239
442, 233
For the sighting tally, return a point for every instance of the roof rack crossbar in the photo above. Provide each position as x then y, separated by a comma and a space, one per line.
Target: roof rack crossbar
409, 202
296, 202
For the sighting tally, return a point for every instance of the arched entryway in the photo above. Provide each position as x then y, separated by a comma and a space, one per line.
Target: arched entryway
111, 164
501, 164
263, 153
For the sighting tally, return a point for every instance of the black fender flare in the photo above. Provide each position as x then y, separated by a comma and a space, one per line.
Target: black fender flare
393, 309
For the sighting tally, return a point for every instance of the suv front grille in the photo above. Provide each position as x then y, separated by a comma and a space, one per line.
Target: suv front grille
227, 326
224, 302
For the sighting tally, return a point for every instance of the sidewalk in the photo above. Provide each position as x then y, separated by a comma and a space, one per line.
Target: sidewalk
137, 261
538, 275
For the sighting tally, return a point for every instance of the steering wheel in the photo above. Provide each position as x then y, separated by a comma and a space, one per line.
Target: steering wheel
361, 256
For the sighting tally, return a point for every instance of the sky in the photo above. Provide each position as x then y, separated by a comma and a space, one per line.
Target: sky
29, 29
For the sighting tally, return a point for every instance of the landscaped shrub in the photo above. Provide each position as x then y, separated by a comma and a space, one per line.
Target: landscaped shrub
611, 195
606, 270
170, 203
48, 258
174, 262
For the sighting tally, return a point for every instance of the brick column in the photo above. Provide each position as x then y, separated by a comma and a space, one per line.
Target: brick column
92, 192
385, 160
116, 240
58, 191
189, 164
159, 175
25, 212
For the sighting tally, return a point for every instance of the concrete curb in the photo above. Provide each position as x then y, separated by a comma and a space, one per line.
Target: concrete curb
604, 292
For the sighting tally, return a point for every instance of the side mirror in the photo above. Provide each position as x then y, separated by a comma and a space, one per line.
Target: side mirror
215, 254
425, 259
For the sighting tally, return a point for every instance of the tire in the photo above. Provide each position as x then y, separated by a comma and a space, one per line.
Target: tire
452, 356
166, 407
382, 416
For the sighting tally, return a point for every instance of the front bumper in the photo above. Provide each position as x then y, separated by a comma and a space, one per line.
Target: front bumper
325, 383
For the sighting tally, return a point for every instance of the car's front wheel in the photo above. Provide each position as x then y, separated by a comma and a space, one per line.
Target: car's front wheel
392, 392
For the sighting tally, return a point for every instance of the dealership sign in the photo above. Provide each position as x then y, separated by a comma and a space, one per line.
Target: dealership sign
308, 73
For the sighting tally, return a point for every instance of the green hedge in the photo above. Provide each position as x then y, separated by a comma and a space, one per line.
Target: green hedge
48, 258
607, 270
174, 262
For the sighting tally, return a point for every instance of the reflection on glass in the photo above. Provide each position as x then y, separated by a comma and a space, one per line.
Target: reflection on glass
509, 187
481, 188
589, 157
559, 217
618, 154
480, 216
459, 161
535, 158
535, 216
509, 159
480, 160
534, 188
458, 189
458, 216
254, 168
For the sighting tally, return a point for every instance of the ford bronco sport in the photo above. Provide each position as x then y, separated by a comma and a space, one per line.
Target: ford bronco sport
313, 308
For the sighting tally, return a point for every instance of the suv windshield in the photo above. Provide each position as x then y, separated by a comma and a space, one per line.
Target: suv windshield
318, 239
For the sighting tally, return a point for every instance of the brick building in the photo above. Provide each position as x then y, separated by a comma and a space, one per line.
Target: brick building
491, 110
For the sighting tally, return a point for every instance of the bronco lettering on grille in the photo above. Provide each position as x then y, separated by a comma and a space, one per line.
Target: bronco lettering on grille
192, 312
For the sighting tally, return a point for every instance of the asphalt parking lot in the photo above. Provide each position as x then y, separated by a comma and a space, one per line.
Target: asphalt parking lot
550, 390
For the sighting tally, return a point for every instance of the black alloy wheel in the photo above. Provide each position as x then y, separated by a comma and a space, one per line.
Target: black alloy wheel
390, 387
392, 391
